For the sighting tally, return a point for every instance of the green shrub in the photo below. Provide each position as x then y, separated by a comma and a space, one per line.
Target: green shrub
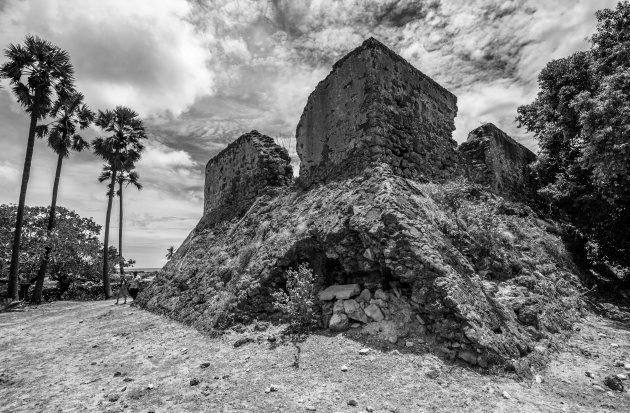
298, 302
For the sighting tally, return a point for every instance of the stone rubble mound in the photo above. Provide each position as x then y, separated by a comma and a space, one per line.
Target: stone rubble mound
402, 247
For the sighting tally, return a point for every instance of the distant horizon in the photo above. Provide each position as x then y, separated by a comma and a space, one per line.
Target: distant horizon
200, 74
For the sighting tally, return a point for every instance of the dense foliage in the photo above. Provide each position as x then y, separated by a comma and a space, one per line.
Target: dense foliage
581, 118
75, 245
298, 302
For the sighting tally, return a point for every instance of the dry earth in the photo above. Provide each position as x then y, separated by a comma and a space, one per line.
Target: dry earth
96, 356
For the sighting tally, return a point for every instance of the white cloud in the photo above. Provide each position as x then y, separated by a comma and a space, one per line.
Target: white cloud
8, 173
142, 54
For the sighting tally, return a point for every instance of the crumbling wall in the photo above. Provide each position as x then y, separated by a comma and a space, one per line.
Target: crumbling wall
375, 106
490, 157
239, 173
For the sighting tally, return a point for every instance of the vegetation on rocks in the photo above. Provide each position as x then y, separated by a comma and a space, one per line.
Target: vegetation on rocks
580, 118
298, 302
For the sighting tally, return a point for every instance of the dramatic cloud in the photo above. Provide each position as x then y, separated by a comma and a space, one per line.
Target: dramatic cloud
143, 54
202, 72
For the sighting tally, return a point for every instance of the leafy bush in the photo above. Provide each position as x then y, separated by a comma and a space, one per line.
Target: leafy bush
298, 302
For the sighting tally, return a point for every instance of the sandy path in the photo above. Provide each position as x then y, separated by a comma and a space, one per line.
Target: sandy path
69, 356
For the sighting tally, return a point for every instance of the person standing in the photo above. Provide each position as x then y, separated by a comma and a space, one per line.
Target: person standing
134, 286
122, 289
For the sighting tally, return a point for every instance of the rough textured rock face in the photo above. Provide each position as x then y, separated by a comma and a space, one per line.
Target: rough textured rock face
375, 106
485, 282
239, 174
490, 157
449, 265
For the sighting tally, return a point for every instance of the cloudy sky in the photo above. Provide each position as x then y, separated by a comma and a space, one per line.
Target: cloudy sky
202, 72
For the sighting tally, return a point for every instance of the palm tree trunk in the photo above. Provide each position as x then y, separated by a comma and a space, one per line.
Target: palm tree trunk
41, 274
12, 289
110, 195
120, 228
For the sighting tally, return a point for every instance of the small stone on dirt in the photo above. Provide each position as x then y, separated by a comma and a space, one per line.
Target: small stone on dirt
194, 381
242, 341
538, 379
599, 388
433, 374
352, 402
271, 339
344, 368
364, 351
409, 343
589, 374
150, 386
622, 376
311, 408
369, 409
613, 383
506, 395
113, 397
204, 365
614, 345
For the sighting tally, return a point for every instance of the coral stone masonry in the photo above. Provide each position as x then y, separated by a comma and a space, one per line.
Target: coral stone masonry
375, 106
400, 250
239, 173
491, 158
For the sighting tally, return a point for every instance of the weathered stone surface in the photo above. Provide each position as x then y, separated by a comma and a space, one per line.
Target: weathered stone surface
374, 312
339, 322
240, 172
340, 292
490, 157
354, 311
376, 107
339, 308
437, 283
365, 296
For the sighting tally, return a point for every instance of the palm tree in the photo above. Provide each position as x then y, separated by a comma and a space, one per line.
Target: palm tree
169, 252
69, 112
37, 72
121, 150
127, 177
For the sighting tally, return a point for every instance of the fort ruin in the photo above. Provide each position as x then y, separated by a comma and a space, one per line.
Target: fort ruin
376, 107
373, 217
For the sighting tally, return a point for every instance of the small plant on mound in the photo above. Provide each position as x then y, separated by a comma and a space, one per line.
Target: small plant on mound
298, 301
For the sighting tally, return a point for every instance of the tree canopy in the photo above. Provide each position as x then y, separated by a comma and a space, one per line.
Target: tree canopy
75, 245
581, 118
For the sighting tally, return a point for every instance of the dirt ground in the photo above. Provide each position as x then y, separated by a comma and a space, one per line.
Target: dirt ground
97, 356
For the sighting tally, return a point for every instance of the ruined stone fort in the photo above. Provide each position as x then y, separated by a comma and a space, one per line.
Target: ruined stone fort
369, 213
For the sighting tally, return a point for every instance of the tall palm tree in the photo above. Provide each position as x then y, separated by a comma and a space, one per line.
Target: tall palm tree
37, 71
126, 177
169, 252
121, 150
70, 112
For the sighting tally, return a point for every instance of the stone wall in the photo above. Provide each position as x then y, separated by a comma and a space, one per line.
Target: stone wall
375, 106
490, 157
239, 174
